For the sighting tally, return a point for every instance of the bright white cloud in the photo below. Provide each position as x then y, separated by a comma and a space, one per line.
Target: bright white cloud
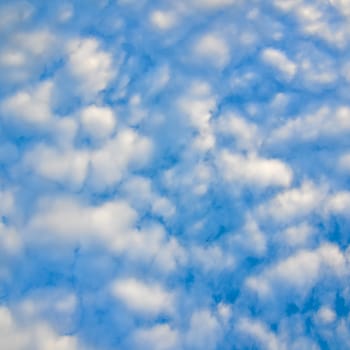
98, 122
157, 150
204, 331
31, 336
342, 5
143, 297
325, 315
90, 66
158, 337
111, 225
300, 271
26, 53
245, 133
339, 203
65, 166
294, 203
10, 241
31, 106
108, 165
278, 60
253, 170
344, 163
251, 239
322, 123
260, 333
213, 48
213, 4
298, 235
162, 20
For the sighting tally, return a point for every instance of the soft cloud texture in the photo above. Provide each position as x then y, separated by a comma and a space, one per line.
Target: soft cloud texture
174, 175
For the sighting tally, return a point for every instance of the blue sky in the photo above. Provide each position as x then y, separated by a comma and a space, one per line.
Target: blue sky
174, 175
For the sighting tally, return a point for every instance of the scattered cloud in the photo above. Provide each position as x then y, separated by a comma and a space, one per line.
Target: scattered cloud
174, 175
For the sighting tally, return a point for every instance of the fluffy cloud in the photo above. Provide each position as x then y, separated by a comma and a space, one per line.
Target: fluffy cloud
213, 48
66, 166
159, 337
89, 66
253, 170
108, 166
300, 271
111, 224
204, 331
294, 203
162, 20
98, 122
31, 107
245, 133
260, 334
143, 297
38, 335
174, 175
278, 60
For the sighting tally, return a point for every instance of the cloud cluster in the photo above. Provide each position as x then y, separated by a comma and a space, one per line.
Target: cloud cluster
174, 175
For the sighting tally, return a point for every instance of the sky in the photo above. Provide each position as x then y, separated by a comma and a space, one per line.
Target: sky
174, 175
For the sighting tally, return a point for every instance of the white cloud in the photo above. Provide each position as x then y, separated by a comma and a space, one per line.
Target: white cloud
66, 166
7, 202
280, 62
111, 224
143, 297
213, 4
16, 335
298, 235
251, 239
314, 19
213, 48
158, 337
197, 105
25, 53
224, 312
65, 13
12, 58
287, 5
58, 306
316, 69
342, 5
36, 43
259, 332
163, 20
98, 122
31, 106
253, 170
344, 163
204, 331
325, 315
90, 66
14, 13
10, 241
244, 132
339, 203
212, 258
108, 165
294, 203
73, 221
300, 271
323, 122
139, 191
